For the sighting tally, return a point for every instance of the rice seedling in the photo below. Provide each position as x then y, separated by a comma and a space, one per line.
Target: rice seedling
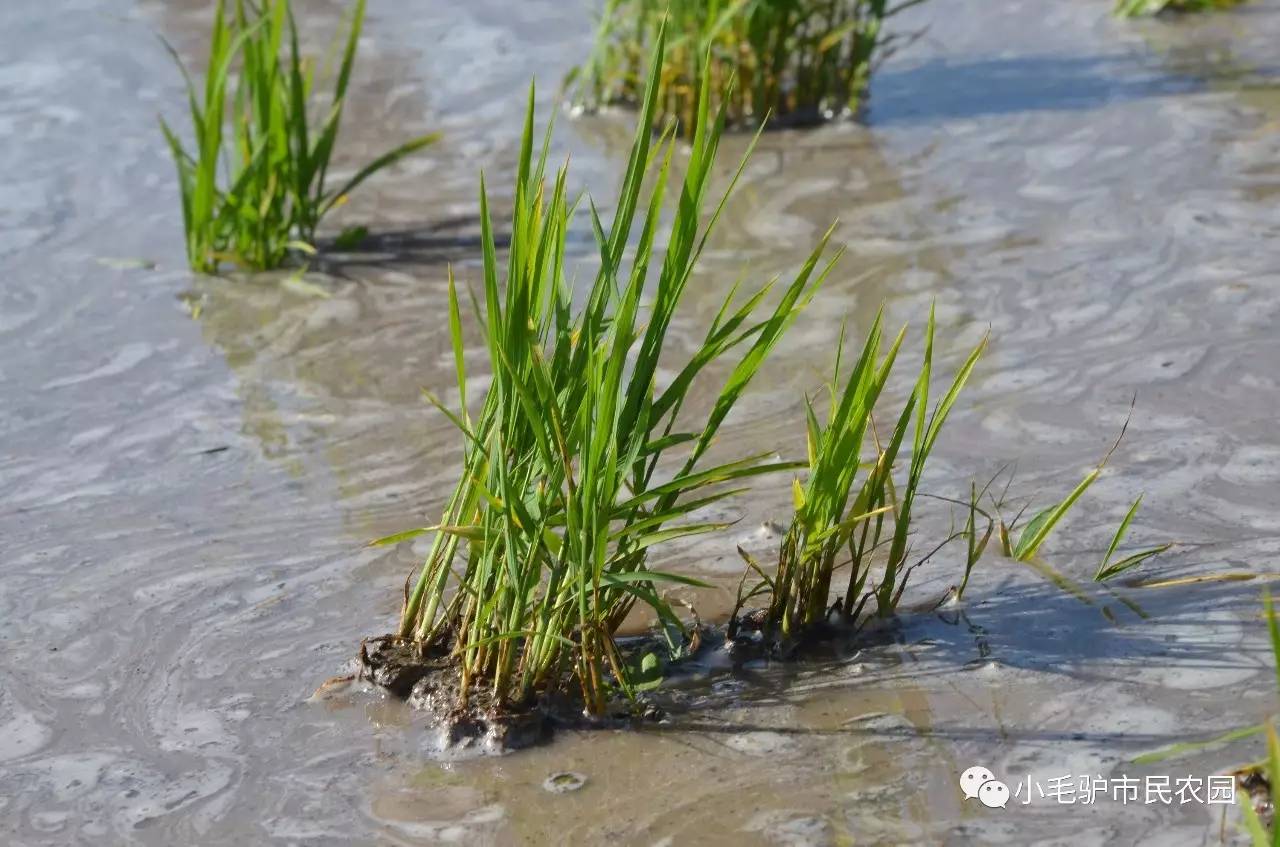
577, 464
796, 61
840, 522
254, 185
1141, 8
1109, 568
1040, 527
975, 546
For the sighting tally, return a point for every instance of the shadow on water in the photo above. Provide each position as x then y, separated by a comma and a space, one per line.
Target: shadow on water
1178, 56
942, 90
435, 244
1016, 625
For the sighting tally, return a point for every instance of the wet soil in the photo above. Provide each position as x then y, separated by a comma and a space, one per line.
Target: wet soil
427, 678
430, 681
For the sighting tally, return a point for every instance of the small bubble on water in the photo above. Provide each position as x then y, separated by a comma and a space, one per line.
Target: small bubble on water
564, 782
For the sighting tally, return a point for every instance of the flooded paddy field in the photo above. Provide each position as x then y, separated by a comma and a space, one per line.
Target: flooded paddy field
190, 466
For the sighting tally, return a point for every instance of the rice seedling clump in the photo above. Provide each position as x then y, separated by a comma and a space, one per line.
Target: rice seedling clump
254, 185
842, 519
582, 456
578, 461
855, 512
796, 61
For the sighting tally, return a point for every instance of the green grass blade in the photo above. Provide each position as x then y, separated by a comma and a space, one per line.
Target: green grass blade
1040, 527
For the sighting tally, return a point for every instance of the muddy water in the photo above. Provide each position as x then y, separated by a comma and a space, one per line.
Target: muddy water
189, 467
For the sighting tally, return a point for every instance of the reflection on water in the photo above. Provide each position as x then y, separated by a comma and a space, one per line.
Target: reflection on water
183, 501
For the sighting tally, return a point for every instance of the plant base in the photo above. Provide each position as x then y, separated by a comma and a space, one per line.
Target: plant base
748, 638
429, 679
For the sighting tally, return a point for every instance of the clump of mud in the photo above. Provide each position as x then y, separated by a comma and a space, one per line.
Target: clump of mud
429, 679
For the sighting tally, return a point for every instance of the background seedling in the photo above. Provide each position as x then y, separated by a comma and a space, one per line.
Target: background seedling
796, 60
254, 184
